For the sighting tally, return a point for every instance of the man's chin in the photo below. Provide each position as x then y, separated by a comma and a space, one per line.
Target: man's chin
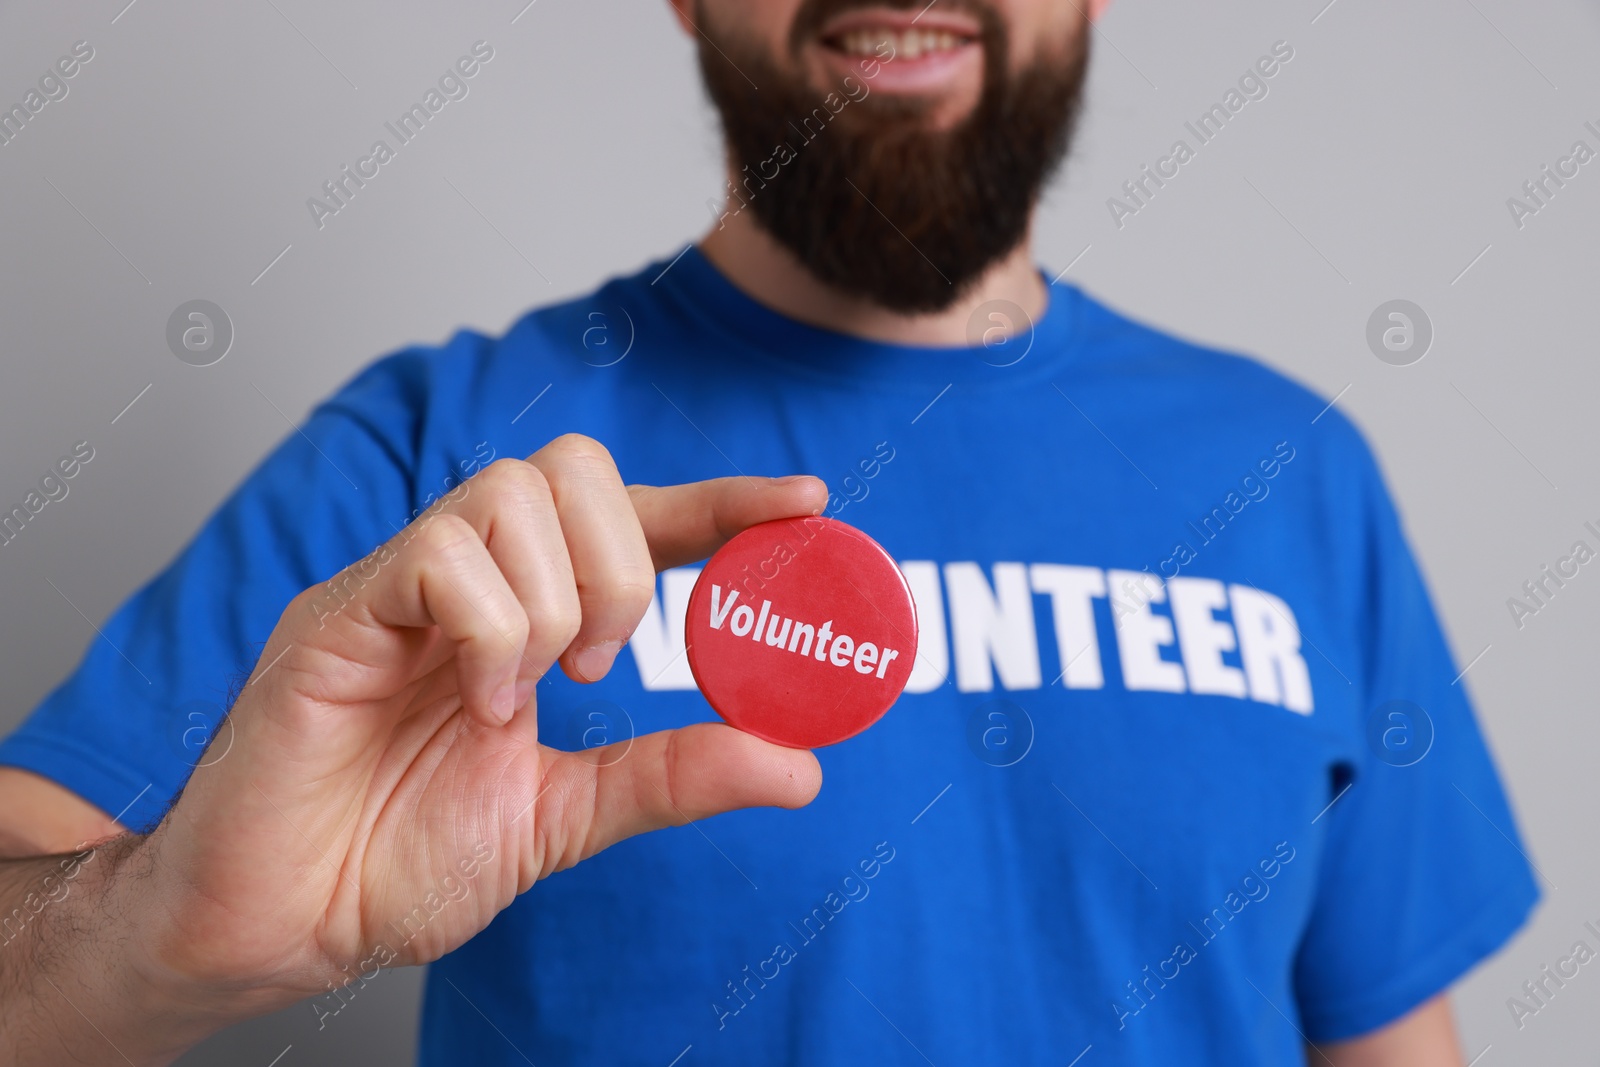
900, 192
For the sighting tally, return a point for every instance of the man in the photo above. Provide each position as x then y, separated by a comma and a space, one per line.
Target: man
1181, 774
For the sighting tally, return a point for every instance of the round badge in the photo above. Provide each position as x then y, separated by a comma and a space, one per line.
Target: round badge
801, 632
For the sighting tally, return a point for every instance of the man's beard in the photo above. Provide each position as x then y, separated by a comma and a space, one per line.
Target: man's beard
869, 200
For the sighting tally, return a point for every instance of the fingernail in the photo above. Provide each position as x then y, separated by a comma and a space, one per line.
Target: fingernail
593, 662
525, 690
789, 479
503, 703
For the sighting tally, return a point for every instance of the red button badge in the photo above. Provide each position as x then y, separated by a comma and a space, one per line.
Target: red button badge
801, 631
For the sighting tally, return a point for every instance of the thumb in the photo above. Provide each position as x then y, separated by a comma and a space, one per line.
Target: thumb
595, 798
685, 523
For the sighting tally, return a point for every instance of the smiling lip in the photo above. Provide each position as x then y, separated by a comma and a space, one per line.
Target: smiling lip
931, 52
900, 21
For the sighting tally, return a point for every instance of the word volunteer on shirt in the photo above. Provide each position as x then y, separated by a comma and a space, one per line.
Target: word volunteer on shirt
989, 629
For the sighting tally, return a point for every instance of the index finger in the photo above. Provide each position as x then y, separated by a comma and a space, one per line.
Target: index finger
686, 523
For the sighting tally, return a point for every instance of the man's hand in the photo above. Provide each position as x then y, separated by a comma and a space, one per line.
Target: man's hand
385, 754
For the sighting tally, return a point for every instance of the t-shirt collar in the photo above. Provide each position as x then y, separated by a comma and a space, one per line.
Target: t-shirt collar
812, 351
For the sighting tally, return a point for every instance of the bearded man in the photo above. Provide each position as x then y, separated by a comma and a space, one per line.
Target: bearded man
1180, 775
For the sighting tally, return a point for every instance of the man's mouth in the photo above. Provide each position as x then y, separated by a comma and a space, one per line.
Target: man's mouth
932, 53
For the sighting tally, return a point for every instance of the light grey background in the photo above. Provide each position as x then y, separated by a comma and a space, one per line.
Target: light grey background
1378, 167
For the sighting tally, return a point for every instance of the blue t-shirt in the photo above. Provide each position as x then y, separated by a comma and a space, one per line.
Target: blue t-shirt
1184, 769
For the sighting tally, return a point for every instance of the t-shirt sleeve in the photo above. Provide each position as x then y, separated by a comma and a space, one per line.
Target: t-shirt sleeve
127, 727
1424, 873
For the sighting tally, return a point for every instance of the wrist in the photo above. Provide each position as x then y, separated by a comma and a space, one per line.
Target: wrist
78, 978
174, 1011
195, 960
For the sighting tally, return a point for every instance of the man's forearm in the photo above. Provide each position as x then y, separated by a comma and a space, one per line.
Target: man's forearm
1424, 1038
74, 985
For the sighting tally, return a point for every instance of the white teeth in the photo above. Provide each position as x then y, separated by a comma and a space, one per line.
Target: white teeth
912, 44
